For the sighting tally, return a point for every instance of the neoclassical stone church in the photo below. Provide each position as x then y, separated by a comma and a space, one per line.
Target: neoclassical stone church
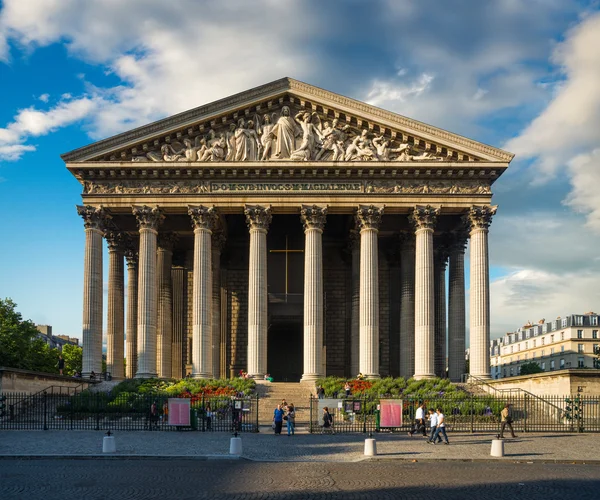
286, 230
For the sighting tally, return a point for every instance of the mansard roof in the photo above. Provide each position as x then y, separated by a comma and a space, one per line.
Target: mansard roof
428, 142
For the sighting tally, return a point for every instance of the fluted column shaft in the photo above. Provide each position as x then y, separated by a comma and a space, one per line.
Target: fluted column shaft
258, 219
132, 304
149, 220
440, 313
164, 333
407, 307
115, 327
179, 275
203, 221
94, 223
369, 218
217, 243
355, 314
313, 219
479, 364
456, 314
424, 219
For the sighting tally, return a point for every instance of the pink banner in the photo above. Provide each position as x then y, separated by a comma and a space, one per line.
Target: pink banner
390, 413
179, 411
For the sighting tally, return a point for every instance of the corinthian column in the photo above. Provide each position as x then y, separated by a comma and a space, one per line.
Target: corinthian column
203, 221
313, 218
148, 219
258, 219
424, 220
131, 256
440, 257
480, 218
369, 219
355, 318
164, 333
456, 307
115, 328
218, 242
407, 305
94, 221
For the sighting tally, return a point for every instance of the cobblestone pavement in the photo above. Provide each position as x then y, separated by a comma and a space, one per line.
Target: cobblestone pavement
225, 480
302, 447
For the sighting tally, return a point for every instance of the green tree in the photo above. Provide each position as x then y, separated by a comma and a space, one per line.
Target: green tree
530, 368
16, 337
73, 356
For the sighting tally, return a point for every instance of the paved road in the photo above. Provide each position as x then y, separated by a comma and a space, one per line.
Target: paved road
227, 480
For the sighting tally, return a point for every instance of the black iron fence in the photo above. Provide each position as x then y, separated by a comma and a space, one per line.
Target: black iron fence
529, 413
126, 412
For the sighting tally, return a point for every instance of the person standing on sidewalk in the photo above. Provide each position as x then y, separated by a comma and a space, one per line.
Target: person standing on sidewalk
433, 421
291, 419
419, 420
278, 419
506, 421
441, 428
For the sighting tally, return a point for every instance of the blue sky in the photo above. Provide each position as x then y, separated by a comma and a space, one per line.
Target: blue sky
523, 75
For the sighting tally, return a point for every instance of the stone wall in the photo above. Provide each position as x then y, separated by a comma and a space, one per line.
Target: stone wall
558, 383
25, 381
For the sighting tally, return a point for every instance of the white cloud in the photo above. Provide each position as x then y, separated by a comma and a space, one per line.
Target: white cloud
564, 137
44, 97
384, 91
13, 152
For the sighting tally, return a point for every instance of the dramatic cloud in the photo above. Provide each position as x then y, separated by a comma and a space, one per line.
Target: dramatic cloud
564, 138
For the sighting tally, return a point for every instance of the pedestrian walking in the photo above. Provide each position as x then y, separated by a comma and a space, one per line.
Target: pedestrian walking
278, 419
441, 428
209, 415
419, 421
327, 421
61, 364
154, 415
291, 419
433, 422
506, 421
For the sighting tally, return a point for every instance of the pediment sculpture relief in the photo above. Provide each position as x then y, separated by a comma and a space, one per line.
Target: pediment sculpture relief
285, 135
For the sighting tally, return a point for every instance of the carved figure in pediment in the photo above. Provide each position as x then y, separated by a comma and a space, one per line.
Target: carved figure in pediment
213, 147
267, 138
285, 131
404, 150
359, 149
311, 136
247, 144
191, 150
333, 140
230, 143
382, 148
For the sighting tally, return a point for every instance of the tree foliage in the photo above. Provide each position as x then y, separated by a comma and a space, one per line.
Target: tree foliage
530, 368
20, 346
73, 356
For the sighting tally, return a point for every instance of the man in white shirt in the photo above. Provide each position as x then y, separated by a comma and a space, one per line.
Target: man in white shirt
419, 421
441, 427
433, 421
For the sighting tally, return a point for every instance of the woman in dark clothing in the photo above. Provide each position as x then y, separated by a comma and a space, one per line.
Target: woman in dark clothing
278, 419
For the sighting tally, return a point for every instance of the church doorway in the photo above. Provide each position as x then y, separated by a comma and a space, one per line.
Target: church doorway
285, 349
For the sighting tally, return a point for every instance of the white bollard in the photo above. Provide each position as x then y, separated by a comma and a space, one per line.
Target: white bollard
235, 446
497, 448
109, 445
370, 447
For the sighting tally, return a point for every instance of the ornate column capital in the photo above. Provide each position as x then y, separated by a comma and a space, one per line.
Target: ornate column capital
480, 217
457, 239
313, 217
131, 250
441, 252
258, 217
167, 240
116, 240
93, 217
147, 217
406, 240
218, 239
369, 216
424, 217
203, 217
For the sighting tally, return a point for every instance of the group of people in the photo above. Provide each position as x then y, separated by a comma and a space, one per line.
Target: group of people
437, 424
284, 413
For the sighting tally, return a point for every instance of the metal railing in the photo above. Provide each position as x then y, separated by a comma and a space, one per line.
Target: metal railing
465, 414
126, 412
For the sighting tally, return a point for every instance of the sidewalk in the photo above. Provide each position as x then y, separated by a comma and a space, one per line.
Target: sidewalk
303, 447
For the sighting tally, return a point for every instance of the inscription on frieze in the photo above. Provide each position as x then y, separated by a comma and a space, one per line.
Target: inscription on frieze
231, 187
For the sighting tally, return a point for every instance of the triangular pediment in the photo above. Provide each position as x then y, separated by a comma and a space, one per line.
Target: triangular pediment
287, 120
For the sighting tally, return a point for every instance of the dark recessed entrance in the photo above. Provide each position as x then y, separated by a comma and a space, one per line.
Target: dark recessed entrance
284, 355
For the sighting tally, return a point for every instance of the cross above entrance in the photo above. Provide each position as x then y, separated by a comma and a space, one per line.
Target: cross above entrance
286, 251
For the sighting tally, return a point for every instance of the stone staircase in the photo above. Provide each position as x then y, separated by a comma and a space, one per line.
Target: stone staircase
295, 393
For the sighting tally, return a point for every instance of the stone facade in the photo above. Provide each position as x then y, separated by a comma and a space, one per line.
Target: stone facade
366, 201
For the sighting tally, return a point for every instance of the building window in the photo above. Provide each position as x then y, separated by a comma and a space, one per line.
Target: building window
580, 362
551, 365
595, 351
551, 339
543, 352
562, 348
511, 371
562, 335
579, 320
512, 349
562, 363
504, 374
564, 322
544, 365
526, 345
579, 334
580, 347
594, 334
594, 320
551, 351
543, 340
534, 343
